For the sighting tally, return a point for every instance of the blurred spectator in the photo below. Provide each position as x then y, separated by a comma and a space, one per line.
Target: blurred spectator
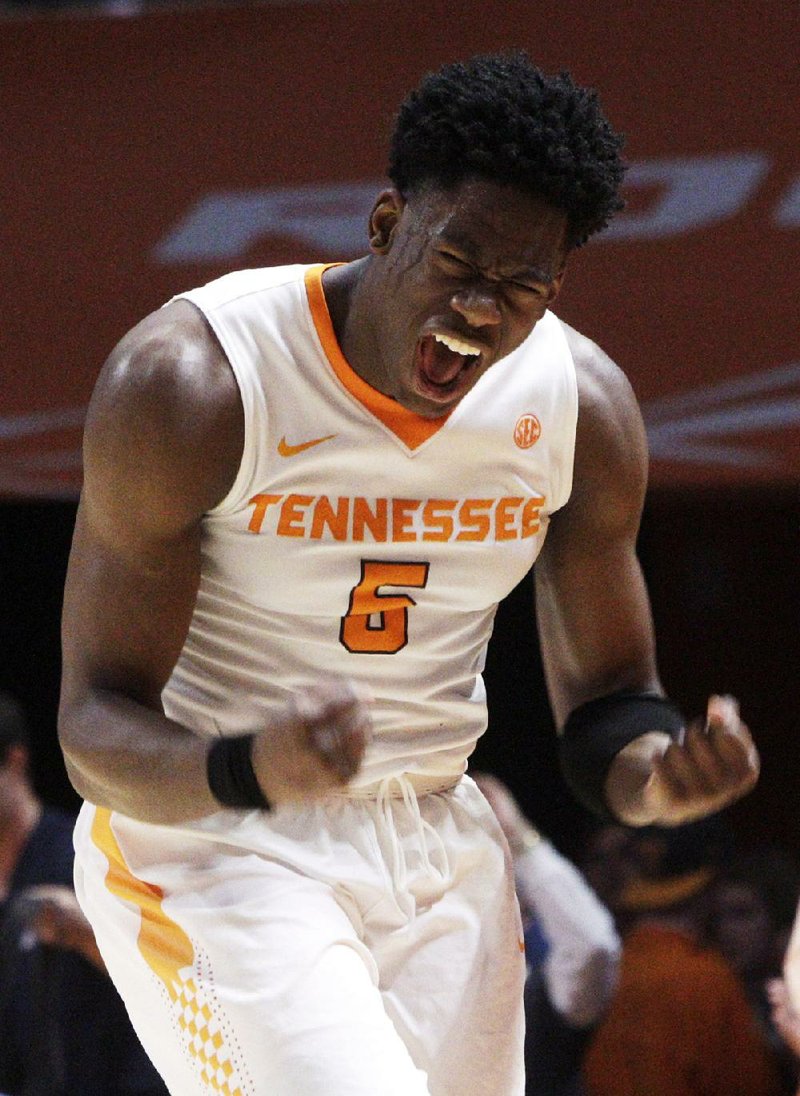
63, 1028
609, 863
680, 1023
750, 917
572, 951
784, 997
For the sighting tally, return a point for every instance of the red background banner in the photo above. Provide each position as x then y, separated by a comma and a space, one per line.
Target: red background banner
149, 154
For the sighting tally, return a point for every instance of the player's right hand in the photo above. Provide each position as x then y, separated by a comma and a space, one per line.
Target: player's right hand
317, 746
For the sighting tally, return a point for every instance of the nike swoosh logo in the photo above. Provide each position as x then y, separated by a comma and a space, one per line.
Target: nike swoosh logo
286, 450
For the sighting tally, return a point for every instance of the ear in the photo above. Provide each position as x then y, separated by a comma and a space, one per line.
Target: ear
555, 286
384, 219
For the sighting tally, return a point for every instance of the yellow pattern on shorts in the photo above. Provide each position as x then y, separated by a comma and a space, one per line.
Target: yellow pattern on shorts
169, 953
206, 1042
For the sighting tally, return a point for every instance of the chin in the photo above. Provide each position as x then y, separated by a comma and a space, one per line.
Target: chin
437, 412
421, 404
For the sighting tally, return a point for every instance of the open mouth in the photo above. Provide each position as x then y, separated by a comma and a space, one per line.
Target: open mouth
444, 364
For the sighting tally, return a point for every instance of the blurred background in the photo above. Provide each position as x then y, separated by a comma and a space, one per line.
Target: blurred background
149, 148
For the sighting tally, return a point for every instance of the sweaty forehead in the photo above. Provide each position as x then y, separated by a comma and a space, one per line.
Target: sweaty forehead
500, 228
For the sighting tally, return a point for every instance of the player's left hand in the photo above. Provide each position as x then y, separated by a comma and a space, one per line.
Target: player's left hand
715, 764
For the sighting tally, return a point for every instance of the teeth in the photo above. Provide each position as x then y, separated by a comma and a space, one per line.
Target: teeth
458, 346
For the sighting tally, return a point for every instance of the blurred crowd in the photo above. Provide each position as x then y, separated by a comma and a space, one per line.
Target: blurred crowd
63, 1028
655, 962
676, 941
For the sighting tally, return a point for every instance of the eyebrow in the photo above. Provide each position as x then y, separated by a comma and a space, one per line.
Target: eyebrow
530, 273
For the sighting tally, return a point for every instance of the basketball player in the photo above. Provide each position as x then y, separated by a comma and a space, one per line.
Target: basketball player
306, 490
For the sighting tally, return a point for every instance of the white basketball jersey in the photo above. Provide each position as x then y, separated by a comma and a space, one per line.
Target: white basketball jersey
360, 540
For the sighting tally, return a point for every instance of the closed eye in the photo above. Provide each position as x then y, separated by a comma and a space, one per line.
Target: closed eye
529, 290
456, 263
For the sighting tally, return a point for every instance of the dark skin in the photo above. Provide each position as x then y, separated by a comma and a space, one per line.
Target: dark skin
479, 263
451, 264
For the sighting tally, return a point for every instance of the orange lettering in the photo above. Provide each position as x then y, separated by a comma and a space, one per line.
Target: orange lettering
363, 518
261, 503
531, 519
402, 511
441, 524
336, 520
474, 526
370, 519
291, 514
504, 521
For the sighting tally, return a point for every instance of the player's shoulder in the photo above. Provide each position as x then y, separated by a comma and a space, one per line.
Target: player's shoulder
172, 352
610, 439
171, 362
606, 401
263, 282
602, 384
165, 402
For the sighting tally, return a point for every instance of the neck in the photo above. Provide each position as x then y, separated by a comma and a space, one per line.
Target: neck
352, 310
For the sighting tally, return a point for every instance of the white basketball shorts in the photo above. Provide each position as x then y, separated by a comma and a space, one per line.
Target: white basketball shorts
358, 946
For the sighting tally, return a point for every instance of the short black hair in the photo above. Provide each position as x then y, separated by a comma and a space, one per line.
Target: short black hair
500, 118
13, 725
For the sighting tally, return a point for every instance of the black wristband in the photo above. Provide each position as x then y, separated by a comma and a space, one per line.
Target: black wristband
229, 768
596, 732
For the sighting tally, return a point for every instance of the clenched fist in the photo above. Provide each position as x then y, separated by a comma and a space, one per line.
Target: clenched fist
317, 746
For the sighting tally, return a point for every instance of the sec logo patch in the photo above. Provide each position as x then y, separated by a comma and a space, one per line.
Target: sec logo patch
527, 431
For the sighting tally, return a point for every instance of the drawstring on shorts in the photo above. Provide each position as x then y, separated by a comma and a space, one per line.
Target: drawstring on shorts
429, 843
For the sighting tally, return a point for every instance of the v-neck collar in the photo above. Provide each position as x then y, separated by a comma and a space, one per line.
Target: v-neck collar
410, 428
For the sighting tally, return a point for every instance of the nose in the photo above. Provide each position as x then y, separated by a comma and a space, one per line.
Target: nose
478, 305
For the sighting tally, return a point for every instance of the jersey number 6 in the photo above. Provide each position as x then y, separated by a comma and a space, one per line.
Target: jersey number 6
377, 623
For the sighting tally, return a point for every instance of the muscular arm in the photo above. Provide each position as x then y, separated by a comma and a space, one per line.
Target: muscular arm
163, 442
595, 622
